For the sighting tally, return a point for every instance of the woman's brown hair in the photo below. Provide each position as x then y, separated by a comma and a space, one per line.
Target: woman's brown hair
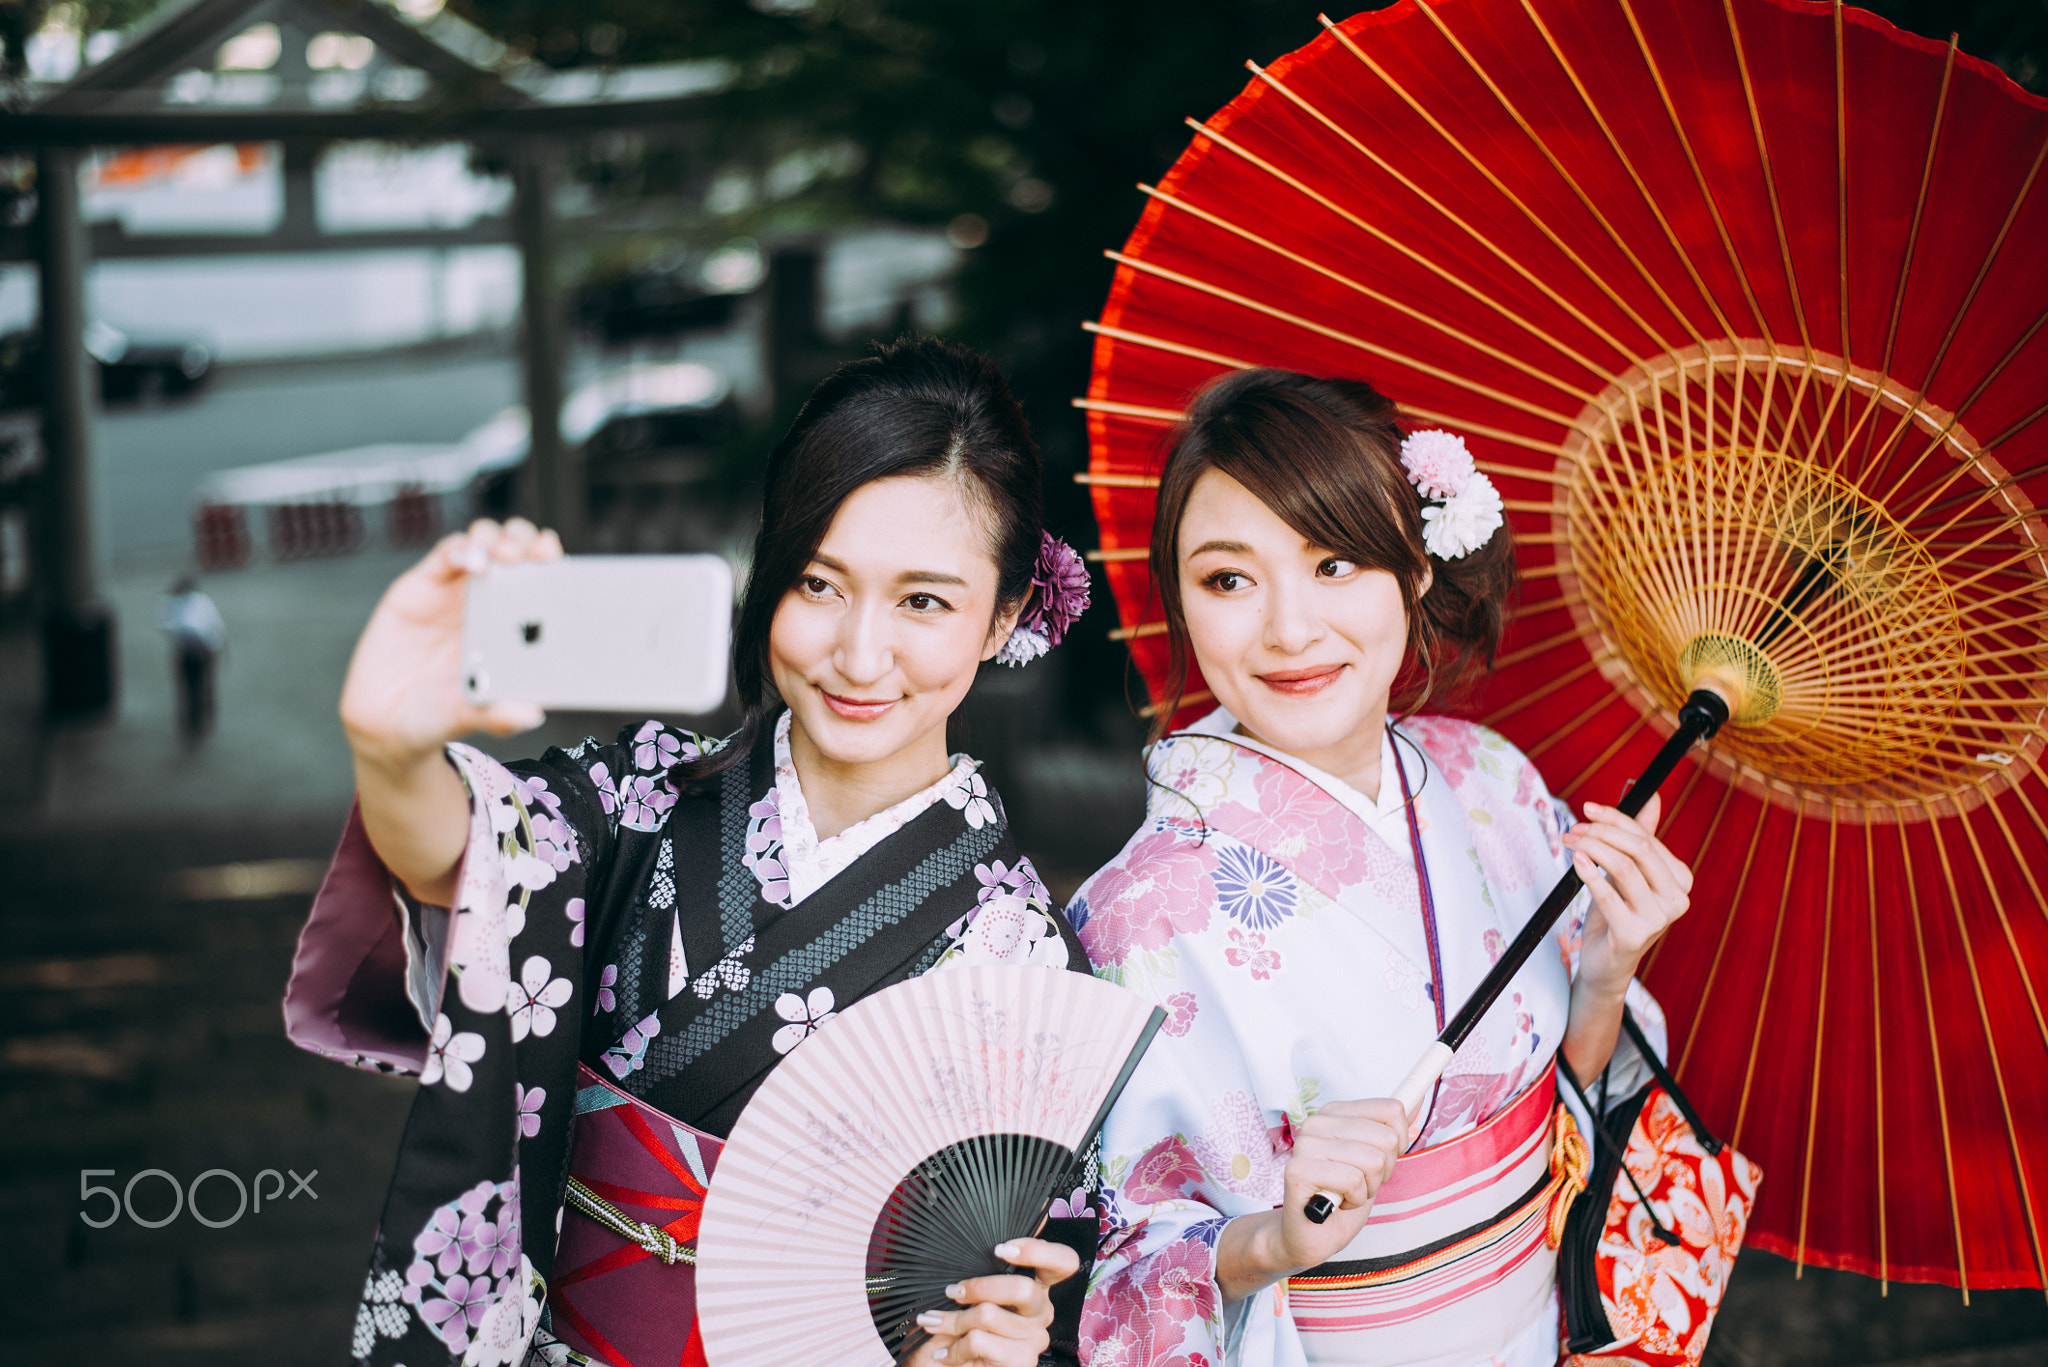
1325, 456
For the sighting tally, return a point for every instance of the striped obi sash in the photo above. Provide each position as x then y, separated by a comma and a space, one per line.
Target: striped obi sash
625, 1286
1459, 1256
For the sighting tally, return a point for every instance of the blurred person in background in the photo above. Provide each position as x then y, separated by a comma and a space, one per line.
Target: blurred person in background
197, 635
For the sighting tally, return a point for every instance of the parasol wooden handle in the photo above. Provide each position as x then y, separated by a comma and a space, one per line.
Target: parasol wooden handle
1413, 1089
1699, 719
1703, 714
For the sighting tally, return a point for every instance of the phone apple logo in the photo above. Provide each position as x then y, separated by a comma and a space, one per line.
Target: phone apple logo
529, 632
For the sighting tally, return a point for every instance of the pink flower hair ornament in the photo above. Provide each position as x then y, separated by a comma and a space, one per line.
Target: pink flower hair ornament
1467, 510
1058, 597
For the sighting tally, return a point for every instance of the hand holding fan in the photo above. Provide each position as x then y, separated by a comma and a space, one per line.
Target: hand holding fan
888, 1155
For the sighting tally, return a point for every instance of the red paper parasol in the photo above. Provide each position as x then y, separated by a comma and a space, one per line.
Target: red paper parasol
1731, 300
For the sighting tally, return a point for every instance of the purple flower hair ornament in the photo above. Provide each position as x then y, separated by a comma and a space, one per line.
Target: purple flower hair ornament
1058, 597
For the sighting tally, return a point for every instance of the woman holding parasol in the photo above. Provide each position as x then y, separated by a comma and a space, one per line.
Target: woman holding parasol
646, 928
1319, 873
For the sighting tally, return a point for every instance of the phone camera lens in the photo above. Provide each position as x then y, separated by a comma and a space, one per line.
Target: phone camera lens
530, 632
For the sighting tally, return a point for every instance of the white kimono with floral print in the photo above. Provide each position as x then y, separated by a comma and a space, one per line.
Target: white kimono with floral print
1286, 939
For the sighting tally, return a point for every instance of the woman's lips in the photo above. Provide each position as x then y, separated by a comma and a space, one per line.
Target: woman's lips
858, 709
1301, 683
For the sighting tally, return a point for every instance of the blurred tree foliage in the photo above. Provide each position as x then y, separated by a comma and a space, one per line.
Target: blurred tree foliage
21, 18
1024, 124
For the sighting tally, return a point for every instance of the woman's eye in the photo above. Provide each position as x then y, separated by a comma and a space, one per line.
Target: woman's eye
815, 586
1225, 581
925, 602
1336, 567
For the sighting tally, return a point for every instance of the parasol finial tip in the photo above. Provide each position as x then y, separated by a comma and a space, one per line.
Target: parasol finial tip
1738, 670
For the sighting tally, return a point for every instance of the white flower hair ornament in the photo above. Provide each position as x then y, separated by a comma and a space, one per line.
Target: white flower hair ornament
1468, 511
1058, 597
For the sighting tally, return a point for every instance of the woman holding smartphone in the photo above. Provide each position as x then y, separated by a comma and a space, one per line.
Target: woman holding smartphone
1322, 875
675, 913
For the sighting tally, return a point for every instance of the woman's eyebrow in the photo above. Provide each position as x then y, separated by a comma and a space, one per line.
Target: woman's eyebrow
1226, 547
907, 577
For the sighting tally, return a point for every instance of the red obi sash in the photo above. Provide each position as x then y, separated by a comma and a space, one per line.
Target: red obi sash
625, 1285
1460, 1252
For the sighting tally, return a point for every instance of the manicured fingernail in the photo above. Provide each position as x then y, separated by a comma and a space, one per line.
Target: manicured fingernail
930, 1321
955, 1292
939, 1355
1007, 1251
472, 559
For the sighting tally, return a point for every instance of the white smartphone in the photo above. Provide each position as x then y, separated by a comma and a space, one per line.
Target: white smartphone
601, 633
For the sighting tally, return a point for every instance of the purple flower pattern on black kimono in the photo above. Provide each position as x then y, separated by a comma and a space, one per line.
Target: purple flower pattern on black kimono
459, 1272
764, 849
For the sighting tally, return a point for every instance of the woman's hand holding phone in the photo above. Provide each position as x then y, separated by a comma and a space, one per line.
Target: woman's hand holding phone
403, 701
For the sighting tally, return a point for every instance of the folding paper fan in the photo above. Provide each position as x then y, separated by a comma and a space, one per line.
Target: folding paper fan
889, 1154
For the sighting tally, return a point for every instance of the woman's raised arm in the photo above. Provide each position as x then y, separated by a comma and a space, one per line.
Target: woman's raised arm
403, 702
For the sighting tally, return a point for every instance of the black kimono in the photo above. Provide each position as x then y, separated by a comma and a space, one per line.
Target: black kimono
599, 918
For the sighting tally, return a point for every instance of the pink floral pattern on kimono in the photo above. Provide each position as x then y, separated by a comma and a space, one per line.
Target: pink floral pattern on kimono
491, 894
1300, 825
1237, 1148
1453, 745
1166, 890
1143, 1324
1163, 1172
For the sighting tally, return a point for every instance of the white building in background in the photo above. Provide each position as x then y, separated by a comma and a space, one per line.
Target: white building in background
271, 305
267, 306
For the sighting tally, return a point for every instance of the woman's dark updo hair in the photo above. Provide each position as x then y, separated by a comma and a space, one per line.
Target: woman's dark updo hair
1325, 456
919, 406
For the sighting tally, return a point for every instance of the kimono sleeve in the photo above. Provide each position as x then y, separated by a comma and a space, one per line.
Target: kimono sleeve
372, 964
1152, 1296
1187, 1147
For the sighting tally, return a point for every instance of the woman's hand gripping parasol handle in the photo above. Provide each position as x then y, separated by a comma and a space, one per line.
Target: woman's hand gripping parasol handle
1414, 1089
1699, 719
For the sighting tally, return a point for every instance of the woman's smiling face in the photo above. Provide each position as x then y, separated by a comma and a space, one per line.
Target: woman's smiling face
1300, 644
879, 639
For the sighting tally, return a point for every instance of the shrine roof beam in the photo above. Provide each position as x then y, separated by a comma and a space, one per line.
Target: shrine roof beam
186, 35
24, 131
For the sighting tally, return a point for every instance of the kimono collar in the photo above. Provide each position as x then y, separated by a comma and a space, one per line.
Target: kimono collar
812, 862
1385, 814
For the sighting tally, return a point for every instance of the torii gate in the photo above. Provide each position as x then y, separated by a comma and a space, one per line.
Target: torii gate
177, 80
